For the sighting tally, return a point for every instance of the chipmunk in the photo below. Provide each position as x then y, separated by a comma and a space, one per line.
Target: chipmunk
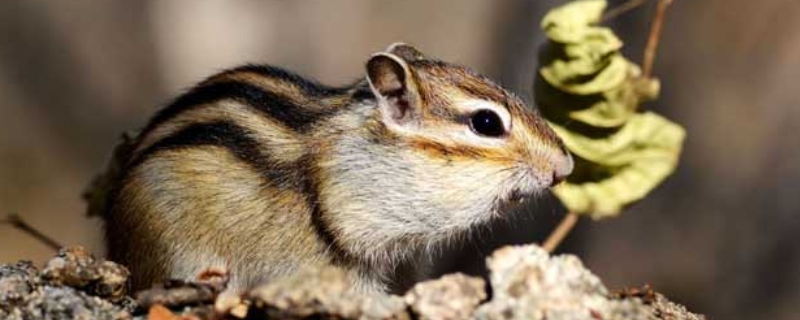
261, 172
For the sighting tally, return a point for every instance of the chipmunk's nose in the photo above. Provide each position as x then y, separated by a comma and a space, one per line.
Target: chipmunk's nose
557, 179
562, 167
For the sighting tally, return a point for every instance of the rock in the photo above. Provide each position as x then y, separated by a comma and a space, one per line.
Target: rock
308, 293
17, 281
384, 307
56, 292
48, 302
526, 284
529, 284
76, 267
668, 310
451, 297
321, 293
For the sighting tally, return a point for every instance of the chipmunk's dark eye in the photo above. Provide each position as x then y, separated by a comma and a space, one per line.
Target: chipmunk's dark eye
487, 123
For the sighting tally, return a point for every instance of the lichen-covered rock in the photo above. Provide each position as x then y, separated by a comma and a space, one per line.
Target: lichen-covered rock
526, 283
321, 293
529, 284
55, 293
383, 307
49, 302
308, 293
668, 310
76, 267
451, 297
17, 281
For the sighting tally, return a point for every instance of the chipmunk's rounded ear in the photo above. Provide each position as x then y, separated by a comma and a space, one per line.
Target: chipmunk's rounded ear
394, 84
405, 51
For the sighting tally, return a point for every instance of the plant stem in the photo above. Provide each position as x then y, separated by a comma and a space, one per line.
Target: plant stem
561, 232
16, 221
619, 10
654, 37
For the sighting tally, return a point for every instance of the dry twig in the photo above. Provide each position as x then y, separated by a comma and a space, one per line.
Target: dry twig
654, 37
561, 232
16, 221
619, 10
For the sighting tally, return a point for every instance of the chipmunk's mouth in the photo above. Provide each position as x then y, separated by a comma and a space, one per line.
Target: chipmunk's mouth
522, 188
512, 200
518, 196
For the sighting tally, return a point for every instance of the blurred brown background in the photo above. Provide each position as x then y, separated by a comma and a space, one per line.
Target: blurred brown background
719, 236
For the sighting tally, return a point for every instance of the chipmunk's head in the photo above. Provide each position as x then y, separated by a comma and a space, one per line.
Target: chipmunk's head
462, 120
448, 147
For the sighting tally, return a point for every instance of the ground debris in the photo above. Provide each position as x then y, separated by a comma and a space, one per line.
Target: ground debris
175, 294
526, 283
646, 293
76, 267
73, 285
159, 312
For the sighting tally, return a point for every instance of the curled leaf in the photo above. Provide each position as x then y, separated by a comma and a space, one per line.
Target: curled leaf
589, 92
567, 24
621, 168
597, 85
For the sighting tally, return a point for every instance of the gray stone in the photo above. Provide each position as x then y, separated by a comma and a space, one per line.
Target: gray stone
451, 297
526, 283
529, 284
322, 293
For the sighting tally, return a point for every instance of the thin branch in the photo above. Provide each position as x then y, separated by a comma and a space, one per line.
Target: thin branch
619, 10
561, 232
16, 221
654, 37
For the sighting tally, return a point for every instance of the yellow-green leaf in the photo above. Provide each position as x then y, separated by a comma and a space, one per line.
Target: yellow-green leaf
631, 162
564, 75
590, 93
567, 24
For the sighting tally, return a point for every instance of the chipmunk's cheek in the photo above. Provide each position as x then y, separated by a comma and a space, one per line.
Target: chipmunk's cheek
533, 181
548, 167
